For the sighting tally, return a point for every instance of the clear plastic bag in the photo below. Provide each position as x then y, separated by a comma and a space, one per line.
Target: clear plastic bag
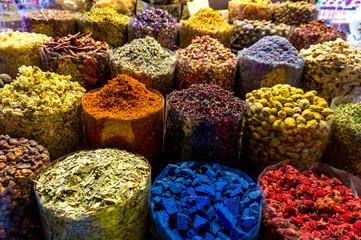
239, 10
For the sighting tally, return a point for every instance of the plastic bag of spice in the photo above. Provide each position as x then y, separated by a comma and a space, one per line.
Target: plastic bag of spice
175, 9
203, 123
250, 9
21, 160
309, 201
270, 61
95, 194
199, 200
284, 123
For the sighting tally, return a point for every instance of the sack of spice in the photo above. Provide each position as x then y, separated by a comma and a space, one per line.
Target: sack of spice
309, 201
294, 13
332, 69
18, 49
174, 9
247, 32
106, 25
20, 162
205, 22
206, 60
346, 135
126, 115
95, 194
156, 23
53, 23
43, 106
249, 9
270, 61
86, 60
203, 123
313, 33
284, 123
147, 61
198, 200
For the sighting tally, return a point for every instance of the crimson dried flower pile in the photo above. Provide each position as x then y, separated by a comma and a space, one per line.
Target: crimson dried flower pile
302, 205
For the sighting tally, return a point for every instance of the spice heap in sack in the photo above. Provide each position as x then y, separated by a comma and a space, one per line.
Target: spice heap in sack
106, 25
205, 22
95, 194
270, 61
156, 23
332, 69
86, 60
206, 60
147, 61
250, 9
43, 106
51, 22
203, 123
313, 33
18, 49
305, 205
294, 13
283, 123
193, 200
20, 160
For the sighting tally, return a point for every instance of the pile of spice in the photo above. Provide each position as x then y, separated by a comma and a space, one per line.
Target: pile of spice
303, 205
147, 61
125, 7
205, 22
294, 13
18, 49
51, 22
247, 32
333, 69
270, 61
156, 23
203, 123
193, 200
250, 9
313, 33
346, 135
20, 160
126, 115
285, 123
206, 60
106, 25
43, 106
95, 194
86, 60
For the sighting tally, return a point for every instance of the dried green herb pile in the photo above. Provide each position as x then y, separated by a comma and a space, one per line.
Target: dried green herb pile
43, 106
95, 194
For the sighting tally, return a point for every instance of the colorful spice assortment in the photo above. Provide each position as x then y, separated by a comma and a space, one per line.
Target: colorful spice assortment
145, 60
294, 13
43, 106
125, 114
206, 60
86, 60
193, 200
307, 205
250, 9
205, 22
203, 123
284, 123
332, 69
247, 32
156, 23
95, 194
53, 23
272, 60
20, 160
313, 33
18, 49
106, 25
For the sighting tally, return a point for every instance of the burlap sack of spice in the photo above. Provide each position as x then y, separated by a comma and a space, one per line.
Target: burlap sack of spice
275, 226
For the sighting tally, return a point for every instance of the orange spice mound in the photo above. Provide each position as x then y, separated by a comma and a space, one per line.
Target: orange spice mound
122, 98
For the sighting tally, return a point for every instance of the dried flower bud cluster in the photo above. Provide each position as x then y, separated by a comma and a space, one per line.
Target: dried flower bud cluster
206, 60
249, 9
294, 13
